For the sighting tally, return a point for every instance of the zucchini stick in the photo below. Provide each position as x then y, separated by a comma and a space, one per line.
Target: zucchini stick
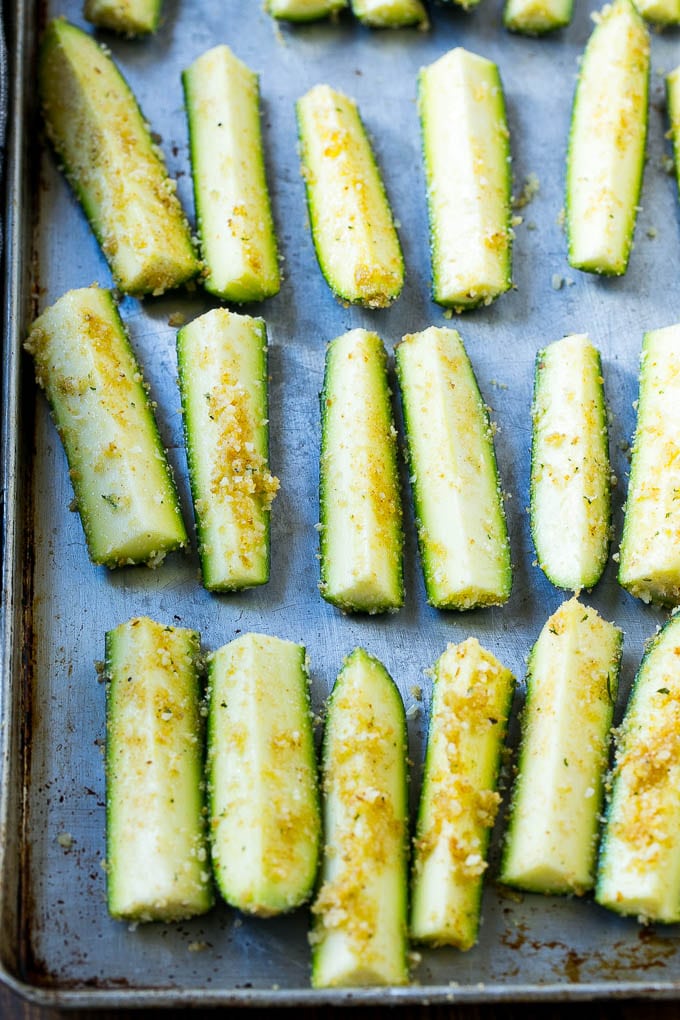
115, 169
551, 842
157, 860
354, 235
124, 490
359, 934
222, 360
462, 531
264, 806
390, 13
570, 471
132, 17
232, 203
360, 502
607, 142
459, 801
649, 565
467, 167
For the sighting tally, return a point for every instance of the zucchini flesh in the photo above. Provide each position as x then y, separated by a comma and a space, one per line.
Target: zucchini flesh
133, 17
359, 934
304, 10
462, 531
352, 226
650, 557
157, 861
639, 868
232, 203
459, 801
467, 167
124, 490
570, 471
389, 13
115, 169
360, 502
673, 108
264, 805
535, 17
572, 682
222, 361
607, 142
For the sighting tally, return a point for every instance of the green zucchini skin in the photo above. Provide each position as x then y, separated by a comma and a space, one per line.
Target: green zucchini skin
157, 860
466, 152
462, 531
304, 10
470, 706
390, 13
112, 164
222, 359
649, 566
360, 924
606, 153
354, 236
233, 210
124, 490
131, 17
537, 17
261, 768
572, 681
570, 486
361, 533
639, 865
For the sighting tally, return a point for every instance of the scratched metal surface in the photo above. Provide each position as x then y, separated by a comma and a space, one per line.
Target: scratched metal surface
58, 943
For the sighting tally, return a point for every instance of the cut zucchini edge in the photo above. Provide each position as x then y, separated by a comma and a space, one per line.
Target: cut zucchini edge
365, 970
537, 17
302, 11
262, 741
570, 461
390, 13
612, 263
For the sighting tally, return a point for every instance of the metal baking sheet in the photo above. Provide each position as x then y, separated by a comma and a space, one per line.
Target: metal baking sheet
58, 944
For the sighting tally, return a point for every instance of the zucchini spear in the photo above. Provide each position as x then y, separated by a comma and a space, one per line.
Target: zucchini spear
639, 869
607, 142
570, 471
232, 203
156, 852
462, 532
264, 808
124, 490
360, 502
467, 166
304, 10
115, 169
222, 360
649, 565
359, 934
459, 801
551, 842
354, 235
132, 17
